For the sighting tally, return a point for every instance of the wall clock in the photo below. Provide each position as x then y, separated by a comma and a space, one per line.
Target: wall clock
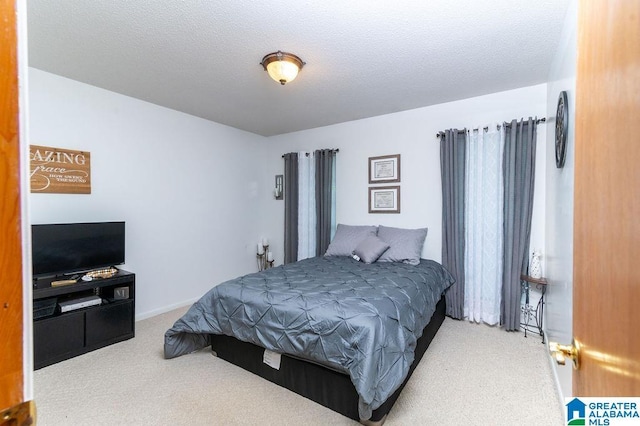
562, 128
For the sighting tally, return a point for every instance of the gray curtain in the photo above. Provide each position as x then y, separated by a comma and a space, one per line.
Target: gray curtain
452, 166
324, 173
518, 166
290, 207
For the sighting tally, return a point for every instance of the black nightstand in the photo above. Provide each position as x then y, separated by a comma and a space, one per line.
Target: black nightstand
530, 312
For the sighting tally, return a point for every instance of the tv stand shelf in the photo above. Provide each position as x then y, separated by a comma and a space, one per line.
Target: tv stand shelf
61, 336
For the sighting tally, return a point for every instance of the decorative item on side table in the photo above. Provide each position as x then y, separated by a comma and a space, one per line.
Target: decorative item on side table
535, 268
100, 273
264, 256
529, 311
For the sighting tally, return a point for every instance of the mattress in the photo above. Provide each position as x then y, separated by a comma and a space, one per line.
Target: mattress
360, 319
322, 385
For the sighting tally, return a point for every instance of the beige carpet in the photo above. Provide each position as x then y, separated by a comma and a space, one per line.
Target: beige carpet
471, 375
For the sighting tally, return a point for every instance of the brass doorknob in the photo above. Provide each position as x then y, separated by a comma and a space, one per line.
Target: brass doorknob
561, 352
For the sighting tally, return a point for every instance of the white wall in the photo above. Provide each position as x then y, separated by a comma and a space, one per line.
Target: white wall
189, 189
413, 135
558, 253
196, 195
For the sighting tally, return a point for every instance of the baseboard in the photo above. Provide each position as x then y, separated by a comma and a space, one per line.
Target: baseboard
144, 315
554, 370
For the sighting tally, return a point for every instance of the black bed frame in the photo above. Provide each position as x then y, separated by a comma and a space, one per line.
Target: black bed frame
320, 384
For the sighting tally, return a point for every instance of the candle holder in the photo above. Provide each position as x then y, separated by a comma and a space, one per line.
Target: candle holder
263, 257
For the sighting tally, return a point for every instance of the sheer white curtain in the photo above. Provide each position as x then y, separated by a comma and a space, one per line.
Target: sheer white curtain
484, 202
306, 205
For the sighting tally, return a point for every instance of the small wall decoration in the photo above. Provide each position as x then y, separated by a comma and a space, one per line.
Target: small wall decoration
562, 129
384, 199
278, 192
59, 171
384, 169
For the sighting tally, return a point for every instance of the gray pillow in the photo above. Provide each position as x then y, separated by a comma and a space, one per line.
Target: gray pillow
405, 244
347, 239
370, 249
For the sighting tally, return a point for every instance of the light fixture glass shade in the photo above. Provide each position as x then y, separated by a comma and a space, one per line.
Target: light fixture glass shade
282, 71
282, 67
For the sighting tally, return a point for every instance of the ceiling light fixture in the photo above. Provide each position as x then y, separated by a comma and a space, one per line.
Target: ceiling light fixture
283, 67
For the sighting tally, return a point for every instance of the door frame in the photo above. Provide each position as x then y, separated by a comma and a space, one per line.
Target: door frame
22, 392
27, 276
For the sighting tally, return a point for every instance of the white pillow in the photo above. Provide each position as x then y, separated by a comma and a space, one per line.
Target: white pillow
347, 239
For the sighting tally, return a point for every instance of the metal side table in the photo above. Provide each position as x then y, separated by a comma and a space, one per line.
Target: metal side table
530, 312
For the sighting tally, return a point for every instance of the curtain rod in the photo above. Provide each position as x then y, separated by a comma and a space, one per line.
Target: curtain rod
307, 154
539, 120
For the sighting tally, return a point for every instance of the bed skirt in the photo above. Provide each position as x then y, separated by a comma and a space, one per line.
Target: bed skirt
330, 388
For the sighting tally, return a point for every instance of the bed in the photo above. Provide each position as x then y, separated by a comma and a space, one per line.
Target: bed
341, 332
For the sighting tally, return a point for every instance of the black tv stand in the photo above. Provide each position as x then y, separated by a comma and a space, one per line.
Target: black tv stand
59, 336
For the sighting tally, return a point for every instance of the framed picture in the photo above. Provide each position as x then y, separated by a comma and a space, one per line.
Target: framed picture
384, 199
384, 169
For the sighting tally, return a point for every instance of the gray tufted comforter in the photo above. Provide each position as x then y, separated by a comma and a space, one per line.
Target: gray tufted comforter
362, 319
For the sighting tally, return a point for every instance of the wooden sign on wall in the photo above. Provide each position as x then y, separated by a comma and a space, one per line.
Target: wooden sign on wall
60, 171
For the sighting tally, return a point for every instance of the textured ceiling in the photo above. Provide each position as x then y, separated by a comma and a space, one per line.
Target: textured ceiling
364, 57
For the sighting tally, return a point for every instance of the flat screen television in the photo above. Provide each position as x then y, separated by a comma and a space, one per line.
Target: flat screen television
74, 247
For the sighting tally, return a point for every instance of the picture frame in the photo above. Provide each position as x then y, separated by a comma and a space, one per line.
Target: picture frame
384, 169
384, 199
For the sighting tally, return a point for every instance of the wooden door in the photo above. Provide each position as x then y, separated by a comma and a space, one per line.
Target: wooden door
606, 304
13, 409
